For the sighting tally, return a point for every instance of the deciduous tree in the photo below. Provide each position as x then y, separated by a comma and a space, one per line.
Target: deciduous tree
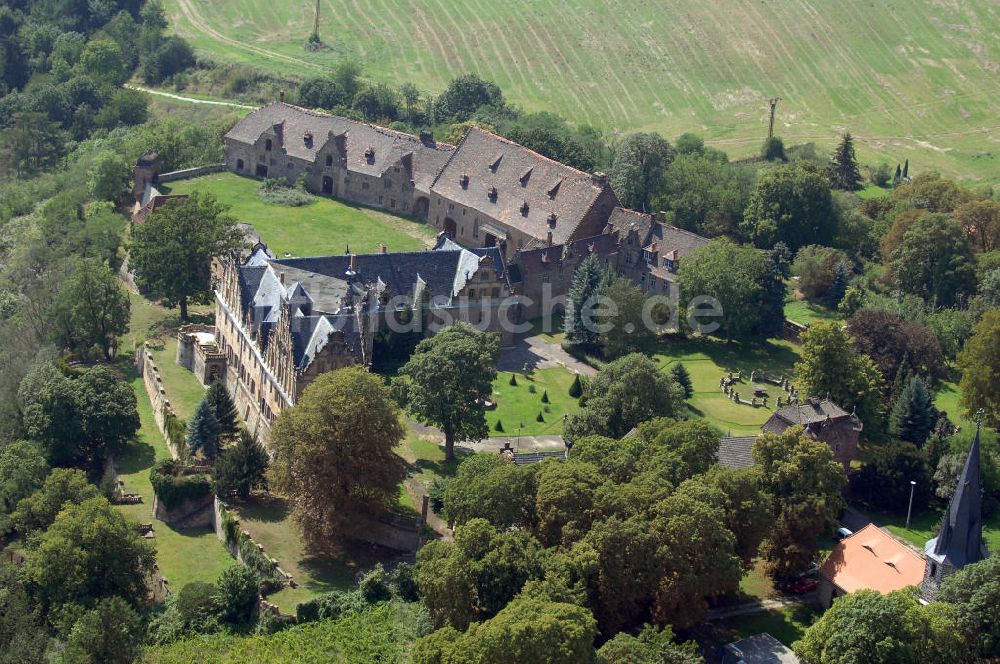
63, 486
637, 170
238, 588
896, 628
890, 341
172, 251
22, 472
981, 221
790, 204
934, 261
626, 331
974, 591
111, 632
627, 391
447, 381
333, 454
91, 310
90, 552
831, 365
463, 96
980, 365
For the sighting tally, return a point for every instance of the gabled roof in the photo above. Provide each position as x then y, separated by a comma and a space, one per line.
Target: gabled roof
545, 257
386, 147
666, 237
487, 173
960, 541
872, 559
736, 451
810, 411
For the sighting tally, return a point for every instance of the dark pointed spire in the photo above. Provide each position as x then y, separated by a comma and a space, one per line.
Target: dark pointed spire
960, 541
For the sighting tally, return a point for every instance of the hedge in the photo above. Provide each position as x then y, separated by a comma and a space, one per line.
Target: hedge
173, 488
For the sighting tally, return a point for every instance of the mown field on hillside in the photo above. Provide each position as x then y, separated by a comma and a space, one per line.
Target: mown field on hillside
917, 80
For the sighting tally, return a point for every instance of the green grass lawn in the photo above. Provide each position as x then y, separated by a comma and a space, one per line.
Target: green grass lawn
183, 389
874, 191
426, 459
709, 359
806, 312
756, 583
787, 625
910, 81
271, 525
183, 555
324, 227
517, 405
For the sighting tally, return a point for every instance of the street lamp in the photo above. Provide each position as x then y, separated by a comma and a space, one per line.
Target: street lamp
909, 509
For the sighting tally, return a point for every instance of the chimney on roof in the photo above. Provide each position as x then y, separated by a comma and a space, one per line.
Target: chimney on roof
552, 219
281, 278
599, 178
281, 96
351, 270
548, 238
426, 137
660, 216
382, 249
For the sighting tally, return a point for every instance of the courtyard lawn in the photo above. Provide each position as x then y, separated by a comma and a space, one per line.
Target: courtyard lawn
806, 312
426, 459
708, 360
269, 521
185, 555
184, 390
324, 227
787, 624
518, 408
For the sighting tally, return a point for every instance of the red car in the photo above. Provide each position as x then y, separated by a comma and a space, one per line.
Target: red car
803, 585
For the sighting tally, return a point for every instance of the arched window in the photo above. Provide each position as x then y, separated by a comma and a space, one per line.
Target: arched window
239, 164
267, 145
329, 160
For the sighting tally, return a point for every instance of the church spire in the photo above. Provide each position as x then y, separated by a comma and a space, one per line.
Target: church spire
960, 541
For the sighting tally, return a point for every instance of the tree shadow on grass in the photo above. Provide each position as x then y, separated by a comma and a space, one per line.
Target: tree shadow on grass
265, 508
328, 573
442, 468
138, 456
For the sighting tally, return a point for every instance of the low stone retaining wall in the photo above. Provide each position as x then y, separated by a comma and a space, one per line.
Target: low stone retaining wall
189, 173
151, 379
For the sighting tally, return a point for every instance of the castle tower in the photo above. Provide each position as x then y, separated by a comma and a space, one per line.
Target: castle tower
960, 541
146, 172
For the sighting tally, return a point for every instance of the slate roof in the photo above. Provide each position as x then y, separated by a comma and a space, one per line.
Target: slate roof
667, 238
736, 451
388, 146
810, 411
545, 257
519, 176
960, 540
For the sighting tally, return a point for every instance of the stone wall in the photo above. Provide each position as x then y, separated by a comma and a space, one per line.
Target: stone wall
153, 383
189, 173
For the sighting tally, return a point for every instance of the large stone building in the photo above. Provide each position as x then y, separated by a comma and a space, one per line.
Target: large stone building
282, 322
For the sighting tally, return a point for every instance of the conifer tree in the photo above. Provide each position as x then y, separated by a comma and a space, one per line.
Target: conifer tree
838, 287
203, 432
913, 415
545, 396
224, 409
906, 169
843, 169
898, 176
513, 380
540, 417
903, 374
242, 467
586, 284
576, 389
683, 378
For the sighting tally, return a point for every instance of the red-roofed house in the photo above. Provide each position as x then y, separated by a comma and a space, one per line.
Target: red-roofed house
870, 558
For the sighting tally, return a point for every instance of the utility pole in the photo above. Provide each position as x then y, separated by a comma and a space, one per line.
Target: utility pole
909, 509
316, 21
774, 104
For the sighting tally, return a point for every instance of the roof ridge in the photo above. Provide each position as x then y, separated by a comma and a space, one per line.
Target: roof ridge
379, 128
589, 176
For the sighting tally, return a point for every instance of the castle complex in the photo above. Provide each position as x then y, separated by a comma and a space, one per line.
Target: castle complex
513, 226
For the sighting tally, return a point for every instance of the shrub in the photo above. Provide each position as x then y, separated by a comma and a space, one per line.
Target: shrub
531, 389
255, 559
276, 192
499, 426
545, 396
576, 389
438, 487
513, 380
539, 417
173, 488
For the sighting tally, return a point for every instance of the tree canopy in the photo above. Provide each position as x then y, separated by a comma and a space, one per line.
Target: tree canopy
627, 391
172, 250
447, 381
790, 204
974, 591
333, 454
980, 364
934, 260
637, 170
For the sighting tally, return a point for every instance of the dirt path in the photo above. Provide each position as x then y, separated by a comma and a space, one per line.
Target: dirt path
198, 22
160, 93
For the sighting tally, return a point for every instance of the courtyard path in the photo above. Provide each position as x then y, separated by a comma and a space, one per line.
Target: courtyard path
756, 607
535, 352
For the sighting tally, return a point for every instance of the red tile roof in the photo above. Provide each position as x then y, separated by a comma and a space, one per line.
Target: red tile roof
872, 558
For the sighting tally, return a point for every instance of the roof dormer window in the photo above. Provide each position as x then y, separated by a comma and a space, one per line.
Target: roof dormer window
525, 176
555, 189
370, 154
307, 139
496, 163
552, 219
491, 193
463, 180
